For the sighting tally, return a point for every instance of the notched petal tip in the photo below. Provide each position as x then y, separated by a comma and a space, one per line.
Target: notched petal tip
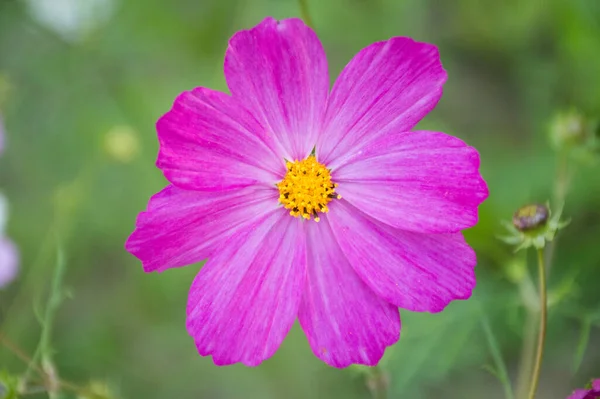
222, 360
483, 191
344, 320
424, 49
420, 181
429, 270
463, 293
135, 246
182, 227
278, 69
387, 87
344, 353
267, 23
244, 301
209, 141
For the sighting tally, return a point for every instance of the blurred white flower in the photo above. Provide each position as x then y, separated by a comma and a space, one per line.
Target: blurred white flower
9, 256
72, 19
9, 261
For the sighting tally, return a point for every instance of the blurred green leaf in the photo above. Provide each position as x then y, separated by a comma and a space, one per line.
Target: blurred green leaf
582, 344
499, 369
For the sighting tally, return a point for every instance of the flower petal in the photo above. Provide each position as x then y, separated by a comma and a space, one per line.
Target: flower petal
388, 86
9, 261
245, 299
419, 181
344, 320
279, 70
415, 271
181, 227
210, 142
579, 394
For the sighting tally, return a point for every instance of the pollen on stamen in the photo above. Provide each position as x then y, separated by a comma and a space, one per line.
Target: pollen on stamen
306, 189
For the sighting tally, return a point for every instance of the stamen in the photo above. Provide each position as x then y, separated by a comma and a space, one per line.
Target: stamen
306, 188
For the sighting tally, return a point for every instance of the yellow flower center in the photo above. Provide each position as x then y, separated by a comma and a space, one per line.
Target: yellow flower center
306, 188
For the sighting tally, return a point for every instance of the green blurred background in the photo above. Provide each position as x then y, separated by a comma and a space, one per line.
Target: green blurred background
83, 83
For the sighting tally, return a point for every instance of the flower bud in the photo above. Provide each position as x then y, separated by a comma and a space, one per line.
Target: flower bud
568, 129
121, 143
533, 225
573, 133
531, 217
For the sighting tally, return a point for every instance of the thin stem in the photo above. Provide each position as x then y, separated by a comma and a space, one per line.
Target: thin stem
18, 352
527, 352
584, 338
378, 382
56, 297
529, 296
54, 301
305, 13
561, 188
535, 377
500, 366
562, 181
44, 348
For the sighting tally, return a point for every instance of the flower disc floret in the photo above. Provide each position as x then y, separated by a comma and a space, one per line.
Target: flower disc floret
306, 188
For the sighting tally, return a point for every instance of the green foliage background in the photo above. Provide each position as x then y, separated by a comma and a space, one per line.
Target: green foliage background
512, 65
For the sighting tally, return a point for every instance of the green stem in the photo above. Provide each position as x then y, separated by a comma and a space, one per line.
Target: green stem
44, 348
535, 377
56, 297
561, 188
305, 13
500, 366
378, 382
584, 337
562, 181
527, 352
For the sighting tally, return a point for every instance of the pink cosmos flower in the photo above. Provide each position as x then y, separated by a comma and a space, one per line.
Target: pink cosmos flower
592, 393
310, 204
